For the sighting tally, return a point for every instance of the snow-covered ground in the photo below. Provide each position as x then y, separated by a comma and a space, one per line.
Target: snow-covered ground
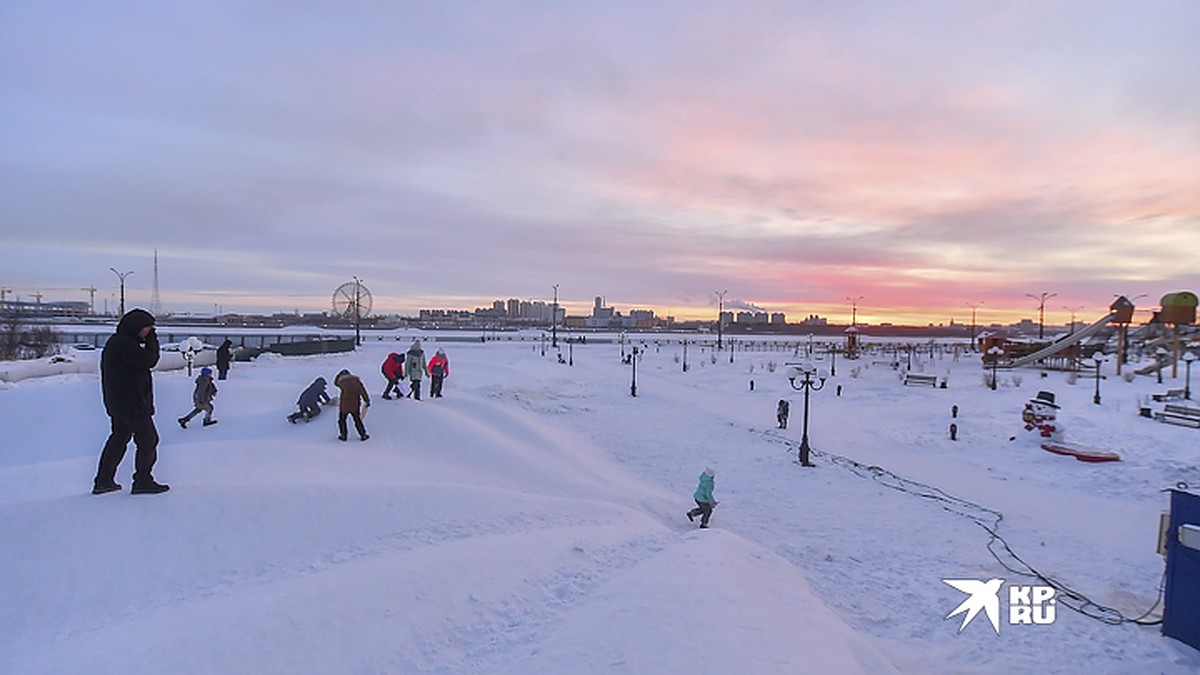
532, 521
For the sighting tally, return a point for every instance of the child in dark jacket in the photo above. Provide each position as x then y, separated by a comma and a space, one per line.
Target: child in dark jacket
310, 401
202, 399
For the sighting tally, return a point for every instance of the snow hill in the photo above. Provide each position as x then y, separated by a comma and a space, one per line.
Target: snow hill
531, 521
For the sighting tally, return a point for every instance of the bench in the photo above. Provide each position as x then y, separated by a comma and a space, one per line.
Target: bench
1179, 414
1171, 395
917, 378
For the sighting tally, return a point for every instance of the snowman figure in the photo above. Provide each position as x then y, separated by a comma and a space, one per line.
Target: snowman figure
1040, 417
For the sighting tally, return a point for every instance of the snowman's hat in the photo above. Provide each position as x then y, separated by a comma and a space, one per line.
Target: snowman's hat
1044, 398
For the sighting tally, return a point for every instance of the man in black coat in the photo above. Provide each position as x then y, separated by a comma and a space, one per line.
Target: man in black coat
125, 365
224, 356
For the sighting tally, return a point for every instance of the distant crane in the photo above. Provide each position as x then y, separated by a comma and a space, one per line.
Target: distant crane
92, 297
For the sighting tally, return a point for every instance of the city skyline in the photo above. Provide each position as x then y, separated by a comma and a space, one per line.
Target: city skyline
934, 159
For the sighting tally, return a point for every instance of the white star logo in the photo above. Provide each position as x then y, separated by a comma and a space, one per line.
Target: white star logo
985, 595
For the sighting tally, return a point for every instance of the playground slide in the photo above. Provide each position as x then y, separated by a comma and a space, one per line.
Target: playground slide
1073, 338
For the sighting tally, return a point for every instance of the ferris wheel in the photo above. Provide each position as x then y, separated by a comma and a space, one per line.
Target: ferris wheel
352, 300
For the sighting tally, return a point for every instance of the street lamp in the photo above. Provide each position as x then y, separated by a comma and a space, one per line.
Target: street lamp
720, 313
833, 360
685, 343
633, 381
974, 306
995, 352
1161, 354
554, 320
1188, 357
122, 278
1098, 358
854, 310
806, 370
1042, 311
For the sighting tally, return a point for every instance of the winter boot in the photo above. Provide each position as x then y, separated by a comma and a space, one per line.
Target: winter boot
99, 488
209, 423
182, 422
149, 487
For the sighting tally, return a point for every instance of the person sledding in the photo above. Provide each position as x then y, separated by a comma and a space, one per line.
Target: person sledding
202, 399
704, 499
310, 401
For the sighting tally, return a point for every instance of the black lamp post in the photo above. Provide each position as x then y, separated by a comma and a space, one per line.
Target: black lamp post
1098, 358
1041, 311
720, 317
807, 385
633, 381
554, 320
122, 278
1160, 354
833, 360
995, 353
570, 352
685, 343
1188, 357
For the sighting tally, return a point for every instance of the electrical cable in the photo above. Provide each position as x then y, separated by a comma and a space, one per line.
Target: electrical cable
989, 520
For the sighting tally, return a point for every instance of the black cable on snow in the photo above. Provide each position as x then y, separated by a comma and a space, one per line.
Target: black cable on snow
989, 520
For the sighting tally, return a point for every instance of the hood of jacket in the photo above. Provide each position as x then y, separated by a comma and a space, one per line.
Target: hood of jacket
134, 321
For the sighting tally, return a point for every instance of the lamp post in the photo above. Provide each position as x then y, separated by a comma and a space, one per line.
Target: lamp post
806, 370
833, 360
1188, 357
1073, 310
357, 312
1098, 358
974, 306
720, 316
633, 381
122, 278
570, 351
854, 310
685, 356
1160, 354
995, 352
1042, 311
554, 320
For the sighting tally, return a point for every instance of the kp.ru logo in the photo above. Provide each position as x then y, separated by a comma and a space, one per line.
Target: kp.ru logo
1027, 605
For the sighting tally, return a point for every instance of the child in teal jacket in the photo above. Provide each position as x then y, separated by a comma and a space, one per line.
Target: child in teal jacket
704, 499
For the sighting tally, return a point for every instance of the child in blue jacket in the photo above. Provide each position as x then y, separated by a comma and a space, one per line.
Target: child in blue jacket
704, 499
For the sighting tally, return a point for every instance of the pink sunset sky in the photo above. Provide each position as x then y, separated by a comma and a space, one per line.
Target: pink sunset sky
924, 156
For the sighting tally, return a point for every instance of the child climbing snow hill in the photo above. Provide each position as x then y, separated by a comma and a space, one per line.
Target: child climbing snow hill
704, 498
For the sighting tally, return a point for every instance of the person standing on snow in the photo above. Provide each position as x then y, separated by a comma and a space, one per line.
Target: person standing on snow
352, 393
414, 365
704, 499
310, 401
439, 369
202, 399
781, 413
392, 369
125, 379
224, 356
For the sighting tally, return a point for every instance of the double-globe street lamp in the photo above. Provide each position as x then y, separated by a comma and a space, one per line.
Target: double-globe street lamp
805, 372
122, 278
995, 352
1098, 358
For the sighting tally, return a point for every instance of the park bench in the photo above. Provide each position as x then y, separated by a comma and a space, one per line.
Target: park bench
918, 378
1179, 414
1171, 395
